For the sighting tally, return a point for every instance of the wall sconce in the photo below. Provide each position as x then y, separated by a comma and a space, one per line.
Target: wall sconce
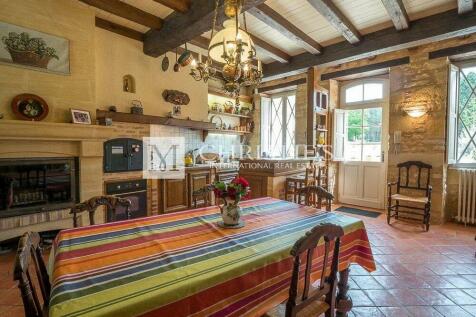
416, 111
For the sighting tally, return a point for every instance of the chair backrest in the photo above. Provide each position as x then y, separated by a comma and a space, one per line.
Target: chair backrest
202, 194
92, 204
28, 249
311, 174
314, 195
405, 179
323, 176
307, 246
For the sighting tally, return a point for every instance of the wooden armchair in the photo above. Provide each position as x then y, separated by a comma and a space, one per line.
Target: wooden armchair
314, 195
28, 249
202, 194
418, 205
92, 204
314, 300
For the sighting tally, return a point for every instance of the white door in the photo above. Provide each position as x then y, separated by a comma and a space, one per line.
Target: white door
361, 124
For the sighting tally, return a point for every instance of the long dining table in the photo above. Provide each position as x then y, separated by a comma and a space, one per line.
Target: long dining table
183, 264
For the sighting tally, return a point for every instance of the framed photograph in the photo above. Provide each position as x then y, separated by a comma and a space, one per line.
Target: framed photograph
81, 116
35, 50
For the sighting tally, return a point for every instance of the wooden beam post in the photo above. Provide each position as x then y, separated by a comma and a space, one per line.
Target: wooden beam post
335, 17
179, 28
398, 14
181, 6
272, 18
465, 6
434, 28
311, 117
119, 29
127, 11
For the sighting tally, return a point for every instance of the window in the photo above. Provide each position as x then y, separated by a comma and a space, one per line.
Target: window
364, 92
358, 125
462, 115
278, 125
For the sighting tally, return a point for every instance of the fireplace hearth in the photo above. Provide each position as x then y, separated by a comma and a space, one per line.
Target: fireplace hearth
36, 185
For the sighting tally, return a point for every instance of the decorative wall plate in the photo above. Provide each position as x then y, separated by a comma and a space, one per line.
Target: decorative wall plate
30, 107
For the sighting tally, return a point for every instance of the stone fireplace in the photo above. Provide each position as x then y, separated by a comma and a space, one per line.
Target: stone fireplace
46, 142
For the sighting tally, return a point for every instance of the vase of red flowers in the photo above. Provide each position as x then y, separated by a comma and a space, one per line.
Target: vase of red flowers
228, 197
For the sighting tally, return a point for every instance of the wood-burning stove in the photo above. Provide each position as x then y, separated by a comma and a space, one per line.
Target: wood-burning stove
135, 191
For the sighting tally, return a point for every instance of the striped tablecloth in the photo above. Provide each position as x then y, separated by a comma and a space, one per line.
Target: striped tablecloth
182, 264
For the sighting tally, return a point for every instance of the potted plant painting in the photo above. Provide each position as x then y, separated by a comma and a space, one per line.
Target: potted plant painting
26, 50
230, 195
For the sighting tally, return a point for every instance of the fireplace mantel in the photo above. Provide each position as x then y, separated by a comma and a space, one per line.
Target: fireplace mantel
32, 130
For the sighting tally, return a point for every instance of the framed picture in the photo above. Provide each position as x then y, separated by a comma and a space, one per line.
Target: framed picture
81, 116
31, 49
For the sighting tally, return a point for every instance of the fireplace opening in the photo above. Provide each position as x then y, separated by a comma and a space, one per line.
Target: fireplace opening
36, 185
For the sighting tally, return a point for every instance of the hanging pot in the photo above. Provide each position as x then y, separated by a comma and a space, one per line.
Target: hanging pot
177, 66
185, 59
165, 63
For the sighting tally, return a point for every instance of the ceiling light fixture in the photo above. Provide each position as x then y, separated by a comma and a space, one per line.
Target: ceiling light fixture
233, 50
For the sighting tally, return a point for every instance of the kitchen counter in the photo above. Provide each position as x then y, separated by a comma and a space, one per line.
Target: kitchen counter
267, 176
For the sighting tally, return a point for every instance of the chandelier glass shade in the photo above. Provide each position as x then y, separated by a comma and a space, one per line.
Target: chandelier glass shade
231, 51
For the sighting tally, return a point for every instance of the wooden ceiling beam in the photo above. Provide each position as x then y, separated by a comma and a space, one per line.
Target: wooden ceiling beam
270, 50
276, 21
465, 6
119, 29
335, 17
433, 28
180, 28
181, 6
397, 12
127, 11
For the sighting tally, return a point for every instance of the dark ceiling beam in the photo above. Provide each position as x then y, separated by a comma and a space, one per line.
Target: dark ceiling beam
338, 20
273, 19
366, 68
127, 11
181, 6
437, 27
398, 14
119, 29
201, 42
453, 51
465, 6
180, 28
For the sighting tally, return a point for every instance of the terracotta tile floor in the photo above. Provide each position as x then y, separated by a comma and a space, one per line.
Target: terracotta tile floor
418, 274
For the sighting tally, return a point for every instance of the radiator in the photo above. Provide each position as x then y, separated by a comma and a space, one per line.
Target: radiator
467, 196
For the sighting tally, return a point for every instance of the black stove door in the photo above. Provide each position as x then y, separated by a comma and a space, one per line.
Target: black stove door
138, 207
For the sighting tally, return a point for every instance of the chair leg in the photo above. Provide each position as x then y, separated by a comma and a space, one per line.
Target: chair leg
397, 207
427, 218
389, 211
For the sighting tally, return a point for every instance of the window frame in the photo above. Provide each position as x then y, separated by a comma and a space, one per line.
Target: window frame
364, 104
372, 102
284, 128
453, 161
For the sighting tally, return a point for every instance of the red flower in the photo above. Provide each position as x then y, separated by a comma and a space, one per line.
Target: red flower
241, 181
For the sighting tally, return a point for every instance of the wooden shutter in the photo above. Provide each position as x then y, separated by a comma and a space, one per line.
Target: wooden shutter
339, 134
452, 116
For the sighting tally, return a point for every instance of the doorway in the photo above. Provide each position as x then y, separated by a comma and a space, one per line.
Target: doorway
361, 143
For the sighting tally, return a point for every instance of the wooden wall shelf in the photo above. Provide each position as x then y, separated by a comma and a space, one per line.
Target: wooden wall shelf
216, 92
229, 132
147, 119
229, 114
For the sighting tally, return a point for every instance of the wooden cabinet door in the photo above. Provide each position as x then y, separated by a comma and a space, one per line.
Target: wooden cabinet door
226, 177
257, 186
197, 180
174, 195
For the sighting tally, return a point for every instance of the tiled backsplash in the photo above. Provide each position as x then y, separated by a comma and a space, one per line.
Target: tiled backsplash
216, 143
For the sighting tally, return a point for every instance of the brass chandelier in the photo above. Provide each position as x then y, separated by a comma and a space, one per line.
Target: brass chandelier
233, 48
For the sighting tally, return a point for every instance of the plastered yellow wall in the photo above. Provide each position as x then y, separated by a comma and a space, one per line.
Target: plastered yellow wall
117, 56
64, 18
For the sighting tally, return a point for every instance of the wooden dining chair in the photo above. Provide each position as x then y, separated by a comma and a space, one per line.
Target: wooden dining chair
294, 183
92, 204
412, 176
28, 254
314, 196
320, 299
203, 194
